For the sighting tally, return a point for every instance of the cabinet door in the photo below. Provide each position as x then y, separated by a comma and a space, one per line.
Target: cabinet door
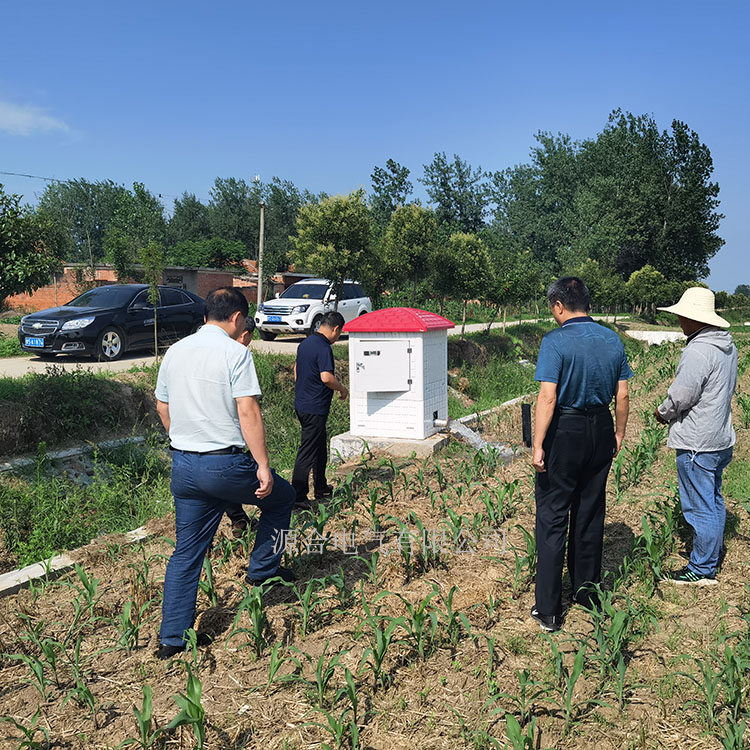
382, 365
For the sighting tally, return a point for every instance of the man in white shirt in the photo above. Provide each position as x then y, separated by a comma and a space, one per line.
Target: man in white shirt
206, 394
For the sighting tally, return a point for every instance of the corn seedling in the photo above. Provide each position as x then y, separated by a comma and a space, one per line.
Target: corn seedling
743, 401
519, 739
26, 740
129, 624
309, 601
192, 712
83, 696
522, 702
36, 668
349, 691
421, 624
148, 733
276, 661
452, 620
252, 603
206, 583
324, 669
343, 729
381, 639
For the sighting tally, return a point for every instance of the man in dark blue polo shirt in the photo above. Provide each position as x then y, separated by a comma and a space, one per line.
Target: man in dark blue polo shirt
582, 366
314, 384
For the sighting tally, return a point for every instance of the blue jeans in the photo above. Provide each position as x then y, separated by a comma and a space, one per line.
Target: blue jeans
699, 476
203, 487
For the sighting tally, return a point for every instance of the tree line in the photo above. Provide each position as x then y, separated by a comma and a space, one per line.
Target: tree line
632, 210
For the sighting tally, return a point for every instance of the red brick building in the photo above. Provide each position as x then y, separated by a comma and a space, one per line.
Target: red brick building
73, 280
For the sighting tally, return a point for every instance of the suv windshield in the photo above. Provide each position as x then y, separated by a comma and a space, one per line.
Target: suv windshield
305, 291
103, 296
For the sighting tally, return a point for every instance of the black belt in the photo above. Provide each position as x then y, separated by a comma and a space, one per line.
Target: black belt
233, 449
582, 412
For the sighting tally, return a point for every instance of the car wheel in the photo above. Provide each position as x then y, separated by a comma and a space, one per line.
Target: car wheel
266, 335
110, 345
315, 324
364, 312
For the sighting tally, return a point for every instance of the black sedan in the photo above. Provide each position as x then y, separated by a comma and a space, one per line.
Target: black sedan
109, 320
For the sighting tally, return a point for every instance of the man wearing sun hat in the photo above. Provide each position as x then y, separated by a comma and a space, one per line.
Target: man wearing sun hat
698, 410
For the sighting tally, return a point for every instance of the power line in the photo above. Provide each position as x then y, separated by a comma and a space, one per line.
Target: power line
54, 179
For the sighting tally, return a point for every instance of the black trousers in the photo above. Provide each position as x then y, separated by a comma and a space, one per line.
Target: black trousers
312, 454
570, 501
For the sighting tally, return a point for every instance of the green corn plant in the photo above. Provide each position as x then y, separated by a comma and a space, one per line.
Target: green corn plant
732, 734
206, 583
743, 401
252, 603
405, 546
27, 739
454, 523
567, 679
276, 661
709, 684
440, 474
36, 668
382, 636
148, 733
129, 624
324, 669
88, 590
428, 555
421, 624
375, 499
349, 691
617, 479
529, 691
371, 566
343, 594
343, 729
192, 713
452, 620
82, 695
518, 738
309, 601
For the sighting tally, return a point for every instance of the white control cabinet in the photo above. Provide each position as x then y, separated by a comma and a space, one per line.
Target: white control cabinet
398, 362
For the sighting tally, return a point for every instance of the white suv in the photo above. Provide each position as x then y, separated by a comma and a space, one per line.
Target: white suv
300, 308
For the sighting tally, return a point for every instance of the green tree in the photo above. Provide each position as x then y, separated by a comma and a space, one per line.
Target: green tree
80, 212
206, 253
647, 288
470, 269
742, 289
151, 258
460, 193
409, 244
234, 212
631, 196
26, 260
390, 189
333, 237
190, 221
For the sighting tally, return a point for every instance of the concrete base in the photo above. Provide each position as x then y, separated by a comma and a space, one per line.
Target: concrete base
346, 446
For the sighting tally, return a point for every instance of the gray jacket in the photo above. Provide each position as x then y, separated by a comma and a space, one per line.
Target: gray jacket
698, 406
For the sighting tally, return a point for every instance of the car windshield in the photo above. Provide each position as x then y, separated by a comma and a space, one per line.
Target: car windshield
103, 296
304, 291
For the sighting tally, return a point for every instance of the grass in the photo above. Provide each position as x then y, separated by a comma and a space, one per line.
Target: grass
130, 486
60, 405
737, 480
9, 347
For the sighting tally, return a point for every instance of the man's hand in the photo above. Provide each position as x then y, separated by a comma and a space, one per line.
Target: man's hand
659, 417
618, 443
343, 393
266, 482
537, 460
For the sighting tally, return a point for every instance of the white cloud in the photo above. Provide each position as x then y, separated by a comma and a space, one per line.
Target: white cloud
18, 119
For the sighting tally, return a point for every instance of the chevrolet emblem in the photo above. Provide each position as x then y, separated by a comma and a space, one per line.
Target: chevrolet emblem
37, 325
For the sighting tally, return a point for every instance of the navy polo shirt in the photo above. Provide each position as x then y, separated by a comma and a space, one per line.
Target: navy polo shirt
311, 394
586, 360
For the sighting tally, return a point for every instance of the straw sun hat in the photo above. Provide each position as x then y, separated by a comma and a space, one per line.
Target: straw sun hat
697, 303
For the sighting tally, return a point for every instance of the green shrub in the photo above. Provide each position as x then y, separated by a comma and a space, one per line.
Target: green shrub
9, 347
42, 514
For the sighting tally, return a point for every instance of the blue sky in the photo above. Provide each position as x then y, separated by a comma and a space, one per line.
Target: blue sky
174, 94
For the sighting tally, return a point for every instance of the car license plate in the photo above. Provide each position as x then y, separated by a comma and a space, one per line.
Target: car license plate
33, 341
273, 319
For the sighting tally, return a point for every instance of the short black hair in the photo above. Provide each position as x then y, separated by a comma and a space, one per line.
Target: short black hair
224, 302
332, 319
250, 324
572, 292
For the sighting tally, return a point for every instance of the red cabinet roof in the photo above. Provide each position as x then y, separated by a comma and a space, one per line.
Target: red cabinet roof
398, 320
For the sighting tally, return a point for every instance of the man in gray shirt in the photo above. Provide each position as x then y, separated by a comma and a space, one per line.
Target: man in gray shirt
207, 392
698, 410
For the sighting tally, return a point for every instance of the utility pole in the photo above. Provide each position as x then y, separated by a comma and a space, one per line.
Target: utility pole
259, 299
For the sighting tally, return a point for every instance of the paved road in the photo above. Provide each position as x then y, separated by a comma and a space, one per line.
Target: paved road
17, 366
